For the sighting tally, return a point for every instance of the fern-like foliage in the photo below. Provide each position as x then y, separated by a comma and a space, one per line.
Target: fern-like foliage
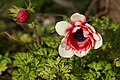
41, 62
4, 61
101, 70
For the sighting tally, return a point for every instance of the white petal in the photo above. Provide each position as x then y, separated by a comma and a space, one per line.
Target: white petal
92, 42
99, 42
96, 36
90, 27
77, 16
62, 26
63, 44
65, 53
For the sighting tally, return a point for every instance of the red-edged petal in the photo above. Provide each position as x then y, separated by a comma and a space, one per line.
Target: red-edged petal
85, 32
82, 53
98, 43
96, 36
90, 28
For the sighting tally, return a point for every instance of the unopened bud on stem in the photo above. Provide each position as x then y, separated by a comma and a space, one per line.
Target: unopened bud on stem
23, 16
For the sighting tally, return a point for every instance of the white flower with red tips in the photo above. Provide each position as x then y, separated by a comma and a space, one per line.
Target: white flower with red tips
79, 37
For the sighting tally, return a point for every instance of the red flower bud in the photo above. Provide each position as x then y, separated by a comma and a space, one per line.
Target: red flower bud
23, 16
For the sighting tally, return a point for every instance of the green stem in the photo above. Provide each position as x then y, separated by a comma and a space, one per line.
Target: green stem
81, 66
34, 24
67, 60
82, 61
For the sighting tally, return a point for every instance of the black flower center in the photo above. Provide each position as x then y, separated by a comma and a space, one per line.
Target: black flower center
78, 36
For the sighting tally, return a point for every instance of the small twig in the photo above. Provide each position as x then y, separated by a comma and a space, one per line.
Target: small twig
106, 9
90, 7
9, 36
67, 4
61, 15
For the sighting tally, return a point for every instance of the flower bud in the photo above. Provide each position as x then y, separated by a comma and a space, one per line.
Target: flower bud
23, 16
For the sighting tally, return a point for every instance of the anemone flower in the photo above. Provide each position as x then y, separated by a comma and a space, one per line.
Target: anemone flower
79, 36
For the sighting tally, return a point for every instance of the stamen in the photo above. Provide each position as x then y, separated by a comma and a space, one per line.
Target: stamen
78, 36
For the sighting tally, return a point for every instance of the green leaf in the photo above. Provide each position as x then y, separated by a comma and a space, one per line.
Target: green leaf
108, 67
96, 66
3, 67
118, 63
4, 61
22, 59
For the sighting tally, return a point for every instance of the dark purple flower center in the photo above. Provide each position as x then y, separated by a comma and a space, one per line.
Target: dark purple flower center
78, 36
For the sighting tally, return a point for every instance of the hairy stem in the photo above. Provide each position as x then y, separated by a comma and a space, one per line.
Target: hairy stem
82, 61
34, 23
36, 33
